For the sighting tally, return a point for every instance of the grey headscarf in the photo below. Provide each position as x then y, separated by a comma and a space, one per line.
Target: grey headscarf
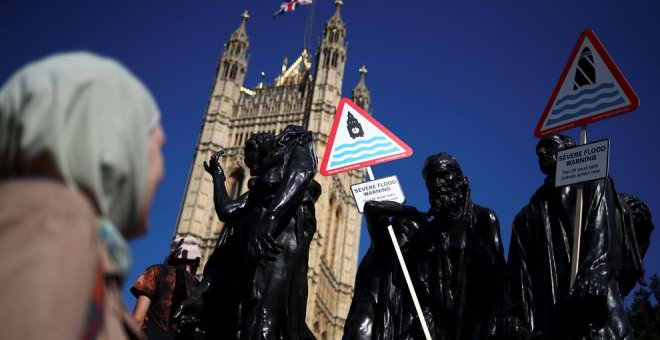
90, 119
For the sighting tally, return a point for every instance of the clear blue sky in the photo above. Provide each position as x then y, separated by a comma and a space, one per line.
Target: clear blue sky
467, 77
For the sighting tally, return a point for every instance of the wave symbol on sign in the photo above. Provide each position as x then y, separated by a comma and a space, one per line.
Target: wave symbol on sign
363, 150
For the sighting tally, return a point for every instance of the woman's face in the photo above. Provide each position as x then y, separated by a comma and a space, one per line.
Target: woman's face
155, 175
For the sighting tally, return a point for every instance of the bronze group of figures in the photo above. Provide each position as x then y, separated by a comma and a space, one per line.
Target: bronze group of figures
454, 256
255, 283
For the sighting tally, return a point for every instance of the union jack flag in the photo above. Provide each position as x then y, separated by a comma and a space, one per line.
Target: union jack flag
291, 6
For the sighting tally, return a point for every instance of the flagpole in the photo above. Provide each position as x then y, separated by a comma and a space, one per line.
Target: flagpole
308, 27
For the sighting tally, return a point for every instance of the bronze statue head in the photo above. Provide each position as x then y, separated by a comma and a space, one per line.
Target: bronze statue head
449, 189
257, 147
547, 149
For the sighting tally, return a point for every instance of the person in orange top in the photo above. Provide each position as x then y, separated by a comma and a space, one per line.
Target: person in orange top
162, 287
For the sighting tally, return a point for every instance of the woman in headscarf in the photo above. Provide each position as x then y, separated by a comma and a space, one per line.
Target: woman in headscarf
80, 159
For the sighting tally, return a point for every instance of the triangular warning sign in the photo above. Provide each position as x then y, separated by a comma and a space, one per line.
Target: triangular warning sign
590, 89
357, 140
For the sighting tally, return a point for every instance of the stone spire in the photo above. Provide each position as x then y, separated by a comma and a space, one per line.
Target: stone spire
360, 94
336, 20
233, 62
334, 29
329, 71
240, 33
197, 217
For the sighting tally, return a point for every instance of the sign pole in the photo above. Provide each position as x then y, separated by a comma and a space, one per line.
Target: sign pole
591, 88
404, 268
370, 174
577, 232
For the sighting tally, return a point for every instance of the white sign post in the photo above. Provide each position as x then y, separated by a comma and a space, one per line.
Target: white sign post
583, 163
591, 88
384, 189
577, 231
357, 141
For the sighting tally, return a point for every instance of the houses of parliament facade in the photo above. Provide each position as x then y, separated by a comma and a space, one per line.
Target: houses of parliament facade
299, 96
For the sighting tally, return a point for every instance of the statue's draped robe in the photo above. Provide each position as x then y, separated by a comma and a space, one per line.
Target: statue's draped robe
381, 306
228, 266
540, 261
457, 272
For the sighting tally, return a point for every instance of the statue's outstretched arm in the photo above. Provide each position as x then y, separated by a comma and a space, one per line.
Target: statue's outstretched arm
225, 207
378, 215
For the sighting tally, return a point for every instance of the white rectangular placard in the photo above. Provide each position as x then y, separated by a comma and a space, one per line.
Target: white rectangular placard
583, 163
384, 189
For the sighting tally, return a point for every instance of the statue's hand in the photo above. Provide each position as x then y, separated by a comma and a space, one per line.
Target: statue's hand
214, 168
264, 246
187, 314
388, 209
389, 204
591, 287
384, 206
588, 300
511, 327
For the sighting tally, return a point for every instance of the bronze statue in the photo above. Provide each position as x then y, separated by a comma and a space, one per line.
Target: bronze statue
255, 282
638, 226
544, 305
454, 255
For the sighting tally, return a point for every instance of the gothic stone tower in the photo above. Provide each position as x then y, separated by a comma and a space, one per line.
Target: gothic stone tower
297, 96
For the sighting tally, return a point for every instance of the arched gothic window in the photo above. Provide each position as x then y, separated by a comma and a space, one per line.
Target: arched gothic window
225, 69
326, 58
235, 183
336, 226
329, 229
232, 74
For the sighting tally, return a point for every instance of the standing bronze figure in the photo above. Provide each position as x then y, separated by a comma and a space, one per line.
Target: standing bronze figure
454, 255
255, 283
544, 305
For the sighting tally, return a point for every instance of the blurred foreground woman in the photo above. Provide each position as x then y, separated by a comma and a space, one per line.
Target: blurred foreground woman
80, 160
